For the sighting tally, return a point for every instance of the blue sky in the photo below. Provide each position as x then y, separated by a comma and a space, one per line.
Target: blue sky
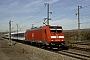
28, 12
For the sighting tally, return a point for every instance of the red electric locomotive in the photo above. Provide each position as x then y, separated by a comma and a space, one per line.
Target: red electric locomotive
47, 36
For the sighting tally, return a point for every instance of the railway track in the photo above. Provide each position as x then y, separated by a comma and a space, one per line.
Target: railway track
74, 55
87, 42
82, 49
83, 46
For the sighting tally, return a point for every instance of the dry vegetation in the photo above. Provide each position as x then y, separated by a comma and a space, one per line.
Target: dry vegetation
1, 38
71, 37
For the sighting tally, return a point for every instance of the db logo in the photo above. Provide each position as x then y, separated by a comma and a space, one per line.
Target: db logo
57, 36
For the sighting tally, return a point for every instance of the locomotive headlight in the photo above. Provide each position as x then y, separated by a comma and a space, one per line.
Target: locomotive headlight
62, 40
52, 40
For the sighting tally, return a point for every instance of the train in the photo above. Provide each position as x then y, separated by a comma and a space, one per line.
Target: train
51, 37
15, 35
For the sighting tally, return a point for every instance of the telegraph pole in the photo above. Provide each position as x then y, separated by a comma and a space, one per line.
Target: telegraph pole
10, 32
17, 31
47, 14
79, 35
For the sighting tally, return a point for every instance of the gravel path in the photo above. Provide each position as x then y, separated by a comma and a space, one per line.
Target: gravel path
19, 51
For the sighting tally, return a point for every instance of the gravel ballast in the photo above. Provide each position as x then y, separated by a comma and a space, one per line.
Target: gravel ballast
19, 51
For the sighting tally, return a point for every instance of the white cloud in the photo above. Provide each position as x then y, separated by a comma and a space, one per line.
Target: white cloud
52, 1
32, 4
14, 4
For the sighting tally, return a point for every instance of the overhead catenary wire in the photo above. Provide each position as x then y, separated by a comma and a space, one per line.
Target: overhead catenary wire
67, 13
50, 4
33, 15
86, 14
69, 5
29, 18
66, 7
72, 13
86, 6
42, 9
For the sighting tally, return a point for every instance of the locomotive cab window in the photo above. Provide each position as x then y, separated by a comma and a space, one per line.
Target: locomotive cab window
56, 30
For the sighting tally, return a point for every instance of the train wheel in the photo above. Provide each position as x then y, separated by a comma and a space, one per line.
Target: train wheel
45, 47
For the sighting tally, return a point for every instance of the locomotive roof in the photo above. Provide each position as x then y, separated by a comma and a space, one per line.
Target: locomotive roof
35, 28
38, 28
